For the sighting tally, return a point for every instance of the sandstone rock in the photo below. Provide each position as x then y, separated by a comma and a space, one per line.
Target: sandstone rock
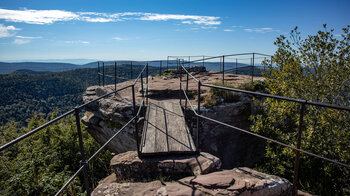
102, 130
129, 167
223, 141
238, 181
101, 91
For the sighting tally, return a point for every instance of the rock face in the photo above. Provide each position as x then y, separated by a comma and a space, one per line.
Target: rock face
238, 181
234, 148
106, 116
129, 167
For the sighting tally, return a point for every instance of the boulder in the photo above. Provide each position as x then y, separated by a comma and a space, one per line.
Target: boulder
223, 141
238, 181
129, 167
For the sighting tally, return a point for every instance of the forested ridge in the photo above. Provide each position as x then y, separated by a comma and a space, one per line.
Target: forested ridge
22, 95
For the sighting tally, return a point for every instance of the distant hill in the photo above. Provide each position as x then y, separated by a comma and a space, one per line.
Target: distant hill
29, 72
24, 92
6, 68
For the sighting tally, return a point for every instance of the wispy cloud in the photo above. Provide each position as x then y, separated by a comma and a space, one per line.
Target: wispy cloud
24, 40
7, 31
261, 30
51, 16
187, 19
77, 42
119, 38
21, 41
37, 16
18, 36
229, 30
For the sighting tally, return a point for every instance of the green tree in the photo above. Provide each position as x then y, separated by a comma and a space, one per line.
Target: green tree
315, 68
42, 163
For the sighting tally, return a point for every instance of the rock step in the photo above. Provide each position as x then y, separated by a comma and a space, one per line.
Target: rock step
238, 181
128, 167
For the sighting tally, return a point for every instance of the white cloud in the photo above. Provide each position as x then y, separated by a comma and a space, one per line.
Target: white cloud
229, 30
18, 36
37, 16
99, 19
77, 42
261, 30
7, 31
51, 16
21, 41
201, 20
119, 38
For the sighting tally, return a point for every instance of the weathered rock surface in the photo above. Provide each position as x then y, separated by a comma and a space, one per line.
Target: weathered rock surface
106, 116
238, 181
129, 167
234, 148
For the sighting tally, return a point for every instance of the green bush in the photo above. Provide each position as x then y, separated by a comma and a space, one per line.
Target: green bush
316, 68
43, 163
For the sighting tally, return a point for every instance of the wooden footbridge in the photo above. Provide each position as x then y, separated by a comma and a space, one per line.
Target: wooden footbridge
165, 131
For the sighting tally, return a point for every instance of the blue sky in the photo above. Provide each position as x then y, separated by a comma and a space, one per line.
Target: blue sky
146, 30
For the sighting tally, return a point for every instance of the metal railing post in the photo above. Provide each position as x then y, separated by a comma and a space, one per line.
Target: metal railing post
199, 112
115, 77
167, 63
223, 69
81, 145
130, 70
220, 64
203, 60
147, 84
186, 90
160, 68
135, 120
180, 92
253, 68
142, 89
103, 76
98, 73
297, 153
236, 66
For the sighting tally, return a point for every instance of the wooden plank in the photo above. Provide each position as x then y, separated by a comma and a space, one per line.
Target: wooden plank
186, 135
177, 134
165, 130
161, 143
149, 135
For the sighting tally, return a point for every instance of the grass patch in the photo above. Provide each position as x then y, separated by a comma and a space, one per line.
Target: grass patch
217, 96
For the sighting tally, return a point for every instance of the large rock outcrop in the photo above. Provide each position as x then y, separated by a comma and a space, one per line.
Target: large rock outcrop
238, 181
106, 116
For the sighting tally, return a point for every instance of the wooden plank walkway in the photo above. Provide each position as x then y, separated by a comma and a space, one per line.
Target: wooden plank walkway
165, 131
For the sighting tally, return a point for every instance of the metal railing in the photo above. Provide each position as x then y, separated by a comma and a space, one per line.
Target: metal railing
84, 163
242, 64
115, 75
302, 107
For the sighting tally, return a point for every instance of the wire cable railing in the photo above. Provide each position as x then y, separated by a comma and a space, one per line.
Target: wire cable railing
232, 63
302, 107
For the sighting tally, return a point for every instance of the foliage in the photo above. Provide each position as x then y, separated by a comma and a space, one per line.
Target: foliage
315, 68
216, 96
42, 163
22, 95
